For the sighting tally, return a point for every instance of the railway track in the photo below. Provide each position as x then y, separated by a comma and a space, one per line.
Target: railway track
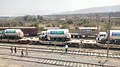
72, 52
78, 53
51, 61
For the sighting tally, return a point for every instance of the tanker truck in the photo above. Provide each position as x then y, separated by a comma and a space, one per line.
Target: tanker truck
114, 37
59, 35
13, 33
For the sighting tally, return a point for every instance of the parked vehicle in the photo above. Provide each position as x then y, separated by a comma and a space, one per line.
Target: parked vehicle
12, 33
114, 36
55, 35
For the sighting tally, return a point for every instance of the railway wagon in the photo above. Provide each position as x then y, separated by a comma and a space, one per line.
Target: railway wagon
28, 31
11, 35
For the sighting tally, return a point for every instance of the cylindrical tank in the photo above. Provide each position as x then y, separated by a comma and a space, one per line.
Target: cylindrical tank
14, 33
114, 34
57, 32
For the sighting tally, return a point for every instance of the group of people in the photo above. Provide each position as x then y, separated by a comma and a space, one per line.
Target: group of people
14, 50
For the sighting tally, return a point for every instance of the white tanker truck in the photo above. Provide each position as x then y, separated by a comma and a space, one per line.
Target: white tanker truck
114, 37
13, 33
60, 35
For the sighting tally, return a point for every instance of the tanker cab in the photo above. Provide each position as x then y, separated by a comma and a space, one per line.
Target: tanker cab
101, 36
43, 35
68, 37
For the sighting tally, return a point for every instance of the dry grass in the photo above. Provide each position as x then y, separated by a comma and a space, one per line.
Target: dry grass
115, 27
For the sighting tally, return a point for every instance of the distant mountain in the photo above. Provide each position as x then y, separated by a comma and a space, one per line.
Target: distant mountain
115, 8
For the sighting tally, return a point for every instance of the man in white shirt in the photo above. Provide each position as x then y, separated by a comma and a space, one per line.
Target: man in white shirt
66, 48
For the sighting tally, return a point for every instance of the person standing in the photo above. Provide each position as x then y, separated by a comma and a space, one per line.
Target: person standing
11, 49
15, 50
26, 52
22, 54
66, 48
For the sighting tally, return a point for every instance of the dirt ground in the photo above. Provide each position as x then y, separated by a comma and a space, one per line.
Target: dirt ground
4, 63
14, 63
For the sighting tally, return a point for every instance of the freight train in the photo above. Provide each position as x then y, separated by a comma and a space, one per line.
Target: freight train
57, 36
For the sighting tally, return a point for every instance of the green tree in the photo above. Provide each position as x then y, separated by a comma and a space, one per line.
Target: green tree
39, 18
69, 21
65, 26
104, 27
92, 24
34, 25
29, 18
84, 21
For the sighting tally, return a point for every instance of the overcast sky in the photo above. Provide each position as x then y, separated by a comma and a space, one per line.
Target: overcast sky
34, 7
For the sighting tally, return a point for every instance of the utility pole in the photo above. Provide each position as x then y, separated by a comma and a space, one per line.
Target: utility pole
109, 27
97, 25
97, 21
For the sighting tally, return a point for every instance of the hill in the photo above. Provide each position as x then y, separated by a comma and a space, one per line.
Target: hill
115, 8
